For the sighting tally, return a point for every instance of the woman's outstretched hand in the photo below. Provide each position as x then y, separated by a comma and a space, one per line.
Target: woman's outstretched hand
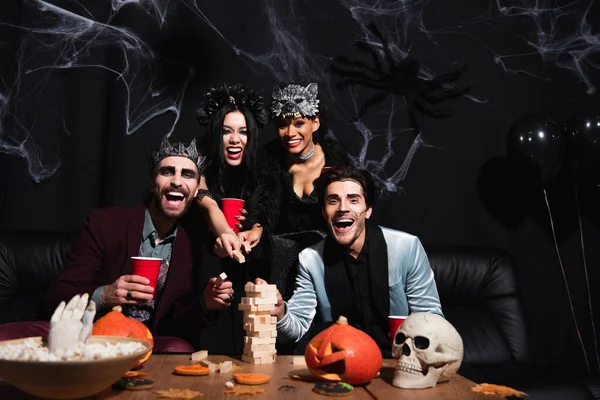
250, 238
225, 244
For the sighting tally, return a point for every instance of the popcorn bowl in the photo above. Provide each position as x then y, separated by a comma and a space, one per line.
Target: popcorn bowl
69, 379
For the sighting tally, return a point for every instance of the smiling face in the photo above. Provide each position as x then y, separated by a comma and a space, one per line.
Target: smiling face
235, 138
345, 211
296, 134
174, 186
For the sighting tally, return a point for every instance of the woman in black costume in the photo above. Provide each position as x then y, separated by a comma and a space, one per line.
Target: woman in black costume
302, 149
233, 116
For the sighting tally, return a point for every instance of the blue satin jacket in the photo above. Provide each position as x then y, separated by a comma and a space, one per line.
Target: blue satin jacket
411, 285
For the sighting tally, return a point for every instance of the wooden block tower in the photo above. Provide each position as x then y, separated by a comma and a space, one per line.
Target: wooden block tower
260, 326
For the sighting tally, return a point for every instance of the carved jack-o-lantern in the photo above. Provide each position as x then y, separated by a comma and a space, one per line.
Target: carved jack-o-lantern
343, 353
115, 323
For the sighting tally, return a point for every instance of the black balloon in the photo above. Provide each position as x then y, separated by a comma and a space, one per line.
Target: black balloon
583, 134
536, 144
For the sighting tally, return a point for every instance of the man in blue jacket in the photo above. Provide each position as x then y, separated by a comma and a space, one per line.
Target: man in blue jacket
362, 271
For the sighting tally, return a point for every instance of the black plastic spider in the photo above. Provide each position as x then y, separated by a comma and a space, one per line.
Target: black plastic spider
400, 78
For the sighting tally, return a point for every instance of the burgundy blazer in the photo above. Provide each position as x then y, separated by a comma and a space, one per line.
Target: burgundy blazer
102, 253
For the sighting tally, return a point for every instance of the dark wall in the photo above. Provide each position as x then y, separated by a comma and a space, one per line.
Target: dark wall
86, 94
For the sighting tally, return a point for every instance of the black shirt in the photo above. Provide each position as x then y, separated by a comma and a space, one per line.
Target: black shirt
357, 270
365, 315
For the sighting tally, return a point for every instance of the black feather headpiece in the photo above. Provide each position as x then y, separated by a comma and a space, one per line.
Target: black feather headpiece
238, 95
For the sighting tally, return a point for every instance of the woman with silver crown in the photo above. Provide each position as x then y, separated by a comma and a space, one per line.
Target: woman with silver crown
302, 150
232, 115
296, 157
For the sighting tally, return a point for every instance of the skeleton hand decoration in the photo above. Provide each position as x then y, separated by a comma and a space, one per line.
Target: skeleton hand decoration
71, 324
426, 346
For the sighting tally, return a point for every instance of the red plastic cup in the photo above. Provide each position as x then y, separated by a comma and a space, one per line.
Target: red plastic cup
327, 169
231, 209
148, 267
395, 322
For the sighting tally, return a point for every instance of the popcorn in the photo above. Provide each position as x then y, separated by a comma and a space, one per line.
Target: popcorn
31, 350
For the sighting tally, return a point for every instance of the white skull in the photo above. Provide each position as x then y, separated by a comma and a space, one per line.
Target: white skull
426, 346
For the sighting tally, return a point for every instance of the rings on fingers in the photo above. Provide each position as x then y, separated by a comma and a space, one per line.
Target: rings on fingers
129, 295
230, 298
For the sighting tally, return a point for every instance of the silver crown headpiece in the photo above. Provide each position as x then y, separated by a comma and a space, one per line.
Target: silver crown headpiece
295, 101
179, 150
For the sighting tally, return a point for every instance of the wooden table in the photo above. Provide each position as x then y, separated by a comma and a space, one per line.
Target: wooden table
281, 386
457, 387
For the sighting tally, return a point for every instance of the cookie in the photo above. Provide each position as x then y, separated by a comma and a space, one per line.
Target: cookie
245, 391
252, 379
132, 374
499, 390
333, 389
192, 370
133, 383
178, 394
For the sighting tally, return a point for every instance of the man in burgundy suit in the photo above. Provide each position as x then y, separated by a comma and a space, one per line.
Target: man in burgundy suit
99, 262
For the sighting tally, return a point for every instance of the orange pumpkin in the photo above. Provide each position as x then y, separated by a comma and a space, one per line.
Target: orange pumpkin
116, 324
343, 353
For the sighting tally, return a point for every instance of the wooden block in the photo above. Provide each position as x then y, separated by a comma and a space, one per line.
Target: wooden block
247, 307
211, 366
257, 314
265, 288
255, 307
262, 319
247, 247
259, 340
255, 300
258, 360
262, 295
250, 360
239, 257
225, 367
261, 353
199, 355
258, 347
264, 307
274, 320
220, 279
258, 327
251, 287
262, 334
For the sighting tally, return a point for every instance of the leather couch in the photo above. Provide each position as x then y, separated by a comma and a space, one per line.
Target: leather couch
479, 293
29, 263
478, 289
